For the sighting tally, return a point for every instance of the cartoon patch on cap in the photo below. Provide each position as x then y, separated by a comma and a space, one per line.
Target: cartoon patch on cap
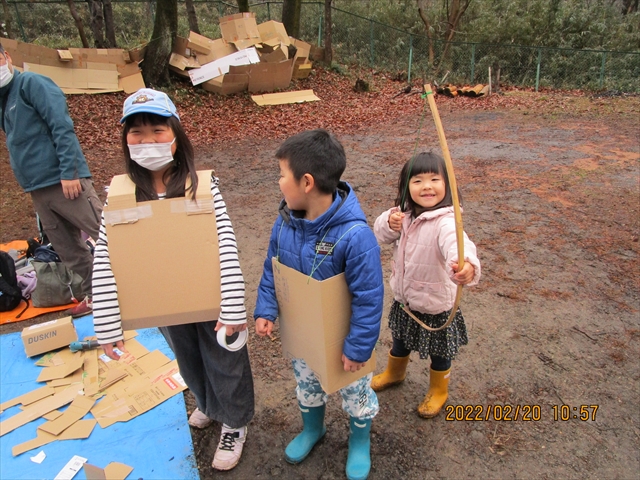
143, 98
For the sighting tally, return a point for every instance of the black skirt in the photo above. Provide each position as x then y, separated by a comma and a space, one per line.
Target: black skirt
444, 343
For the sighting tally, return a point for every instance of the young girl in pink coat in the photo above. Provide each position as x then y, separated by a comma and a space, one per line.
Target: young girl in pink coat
424, 276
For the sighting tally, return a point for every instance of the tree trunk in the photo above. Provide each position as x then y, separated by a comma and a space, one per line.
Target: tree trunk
427, 26
191, 16
97, 23
108, 20
7, 16
243, 5
456, 10
79, 24
328, 48
155, 68
291, 16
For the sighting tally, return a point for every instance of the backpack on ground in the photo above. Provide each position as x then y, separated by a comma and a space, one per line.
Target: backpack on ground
10, 293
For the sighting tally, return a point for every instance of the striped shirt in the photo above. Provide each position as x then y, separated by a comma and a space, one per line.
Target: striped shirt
106, 310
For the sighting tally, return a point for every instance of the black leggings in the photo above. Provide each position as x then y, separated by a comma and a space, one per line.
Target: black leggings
439, 364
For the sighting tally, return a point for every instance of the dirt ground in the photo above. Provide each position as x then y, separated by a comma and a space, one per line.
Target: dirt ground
551, 201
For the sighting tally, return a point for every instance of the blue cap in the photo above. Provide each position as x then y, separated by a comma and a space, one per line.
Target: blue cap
147, 100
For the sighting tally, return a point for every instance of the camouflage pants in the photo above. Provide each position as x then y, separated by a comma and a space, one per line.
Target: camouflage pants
358, 399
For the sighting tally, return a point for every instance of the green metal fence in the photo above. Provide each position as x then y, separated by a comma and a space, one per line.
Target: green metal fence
357, 41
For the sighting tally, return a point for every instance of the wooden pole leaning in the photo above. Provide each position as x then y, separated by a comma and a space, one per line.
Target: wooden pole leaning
456, 210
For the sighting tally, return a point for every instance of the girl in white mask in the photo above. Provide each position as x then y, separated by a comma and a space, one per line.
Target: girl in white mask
159, 159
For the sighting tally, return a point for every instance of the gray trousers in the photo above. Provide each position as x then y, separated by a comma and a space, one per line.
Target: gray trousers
63, 220
220, 380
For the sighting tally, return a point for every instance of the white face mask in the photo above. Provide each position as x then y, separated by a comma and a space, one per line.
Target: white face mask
152, 156
5, 75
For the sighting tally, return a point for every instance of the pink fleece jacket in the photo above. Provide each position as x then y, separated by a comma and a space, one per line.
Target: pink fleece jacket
421, 276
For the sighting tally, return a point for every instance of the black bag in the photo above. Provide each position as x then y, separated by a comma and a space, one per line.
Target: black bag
10, 293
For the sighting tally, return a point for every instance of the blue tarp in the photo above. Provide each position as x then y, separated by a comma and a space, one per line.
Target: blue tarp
156, 444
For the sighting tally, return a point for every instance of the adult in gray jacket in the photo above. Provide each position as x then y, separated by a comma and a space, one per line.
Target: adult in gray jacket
48, 163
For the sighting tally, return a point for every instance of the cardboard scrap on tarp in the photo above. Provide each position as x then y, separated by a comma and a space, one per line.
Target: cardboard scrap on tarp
162, 430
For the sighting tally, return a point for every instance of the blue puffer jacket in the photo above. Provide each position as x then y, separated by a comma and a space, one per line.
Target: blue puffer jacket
356, 253
43, 147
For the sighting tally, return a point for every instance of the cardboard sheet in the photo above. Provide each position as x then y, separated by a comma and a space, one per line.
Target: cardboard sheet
314, 321
162, 430
298, 96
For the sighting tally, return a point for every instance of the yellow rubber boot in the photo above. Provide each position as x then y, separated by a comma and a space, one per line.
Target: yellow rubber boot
437, 394
394, 374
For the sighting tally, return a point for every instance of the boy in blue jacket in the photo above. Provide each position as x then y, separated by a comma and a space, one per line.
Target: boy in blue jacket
321, 232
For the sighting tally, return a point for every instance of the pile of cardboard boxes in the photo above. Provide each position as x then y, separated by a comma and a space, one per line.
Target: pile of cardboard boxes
257, 58
248, 57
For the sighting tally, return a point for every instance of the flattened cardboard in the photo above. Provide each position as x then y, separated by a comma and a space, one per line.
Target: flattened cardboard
61, 371
146, 298
314, 322
132, 83
79, 78
221, 66
48, 336
267, 76
148, 392
90, 375
37, 410
74, 412
113, 471
28, 398
298, 96
79, 430
75, 377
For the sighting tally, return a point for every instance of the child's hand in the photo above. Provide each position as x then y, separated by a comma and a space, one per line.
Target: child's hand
395, 221
264, 327
231, 329
350, 365
111, 353
465, 275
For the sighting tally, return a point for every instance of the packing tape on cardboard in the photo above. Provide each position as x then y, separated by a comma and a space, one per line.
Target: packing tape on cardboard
192, 207
127, 215
235, 346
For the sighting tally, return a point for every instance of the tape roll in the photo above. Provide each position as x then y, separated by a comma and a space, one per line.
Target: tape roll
235, 346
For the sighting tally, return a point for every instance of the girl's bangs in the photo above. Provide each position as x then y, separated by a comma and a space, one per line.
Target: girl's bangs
145, 118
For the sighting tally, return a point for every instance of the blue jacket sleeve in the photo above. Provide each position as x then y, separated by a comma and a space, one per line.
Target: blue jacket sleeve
363, 272
267, 303
51, 104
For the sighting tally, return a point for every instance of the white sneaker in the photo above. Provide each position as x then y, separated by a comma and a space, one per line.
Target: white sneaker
199, 419
230, 448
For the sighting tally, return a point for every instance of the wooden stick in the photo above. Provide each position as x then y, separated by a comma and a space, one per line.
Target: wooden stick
456, 209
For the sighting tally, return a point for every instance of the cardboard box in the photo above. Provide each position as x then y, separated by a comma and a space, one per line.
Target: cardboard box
301, 69
217, 49
240, 29
314, 322
198, 43
273, 33
221, 66
48, 336
268, 76
175, 278
236, 81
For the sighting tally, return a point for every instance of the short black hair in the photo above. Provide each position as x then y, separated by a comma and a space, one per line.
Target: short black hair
318, 153
425, 162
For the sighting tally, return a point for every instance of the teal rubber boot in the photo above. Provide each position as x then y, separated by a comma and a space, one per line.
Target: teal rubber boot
313, 430
359, 458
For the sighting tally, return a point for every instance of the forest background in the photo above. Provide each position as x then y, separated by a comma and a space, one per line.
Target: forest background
593, 44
